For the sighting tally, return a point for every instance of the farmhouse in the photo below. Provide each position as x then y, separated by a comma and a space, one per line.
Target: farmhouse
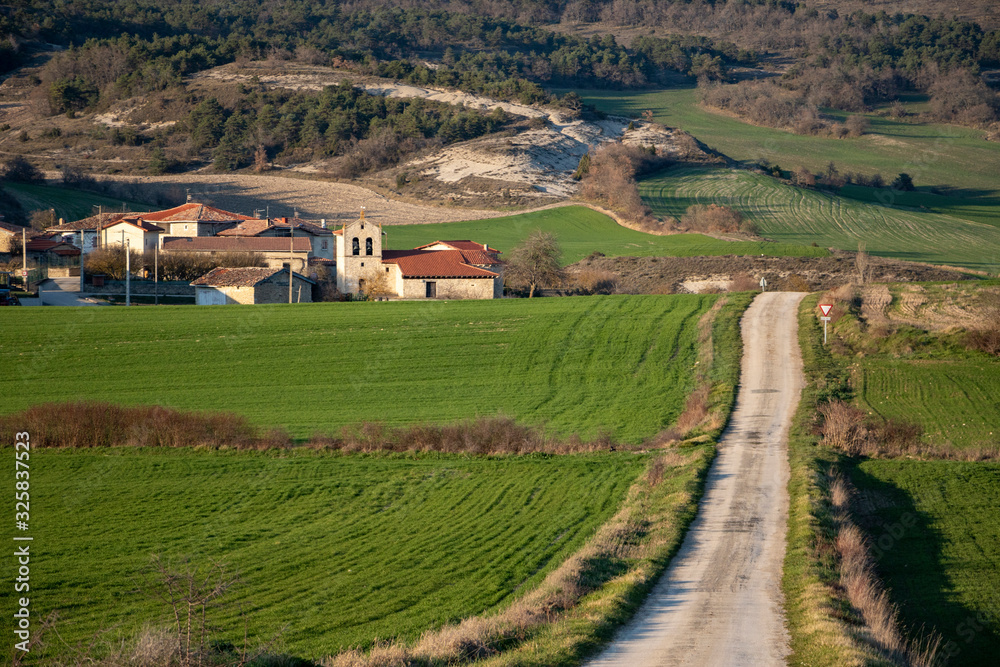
89, 228
250, 285
60, 258
10, 236
137, 233
320, 237
193, 219
439, 270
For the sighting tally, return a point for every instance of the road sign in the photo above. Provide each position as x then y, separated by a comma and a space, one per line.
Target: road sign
826, 308
24, 273
763, 283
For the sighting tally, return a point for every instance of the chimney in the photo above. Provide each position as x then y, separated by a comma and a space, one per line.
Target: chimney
486, 248
322, 223
62, 221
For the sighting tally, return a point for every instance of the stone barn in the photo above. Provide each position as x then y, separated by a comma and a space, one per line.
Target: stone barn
250, 285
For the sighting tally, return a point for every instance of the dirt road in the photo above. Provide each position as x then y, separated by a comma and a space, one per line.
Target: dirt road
719, 603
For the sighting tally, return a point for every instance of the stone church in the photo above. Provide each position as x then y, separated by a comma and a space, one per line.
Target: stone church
439, 270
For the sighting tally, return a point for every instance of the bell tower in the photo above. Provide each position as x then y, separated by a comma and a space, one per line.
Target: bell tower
359, 251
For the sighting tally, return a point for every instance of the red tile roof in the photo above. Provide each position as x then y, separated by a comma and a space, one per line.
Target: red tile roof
193, 212
135, 222
93, 222
434, 264
244, 276
256, 227
52, 245
17, 229
234, 244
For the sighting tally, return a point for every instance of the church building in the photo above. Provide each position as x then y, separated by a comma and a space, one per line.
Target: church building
439, 270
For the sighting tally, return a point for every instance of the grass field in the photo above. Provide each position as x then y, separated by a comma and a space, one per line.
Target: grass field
340, 549
581, 231
68, 203
580, 364
936, 536
956, 402
801, 216
934, 155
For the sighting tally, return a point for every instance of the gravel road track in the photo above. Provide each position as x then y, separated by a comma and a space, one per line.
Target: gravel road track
720, 601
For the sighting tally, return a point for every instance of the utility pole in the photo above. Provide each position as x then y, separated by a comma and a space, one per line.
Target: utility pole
128, 275
82, 253
24, 259
156, 271
291, 255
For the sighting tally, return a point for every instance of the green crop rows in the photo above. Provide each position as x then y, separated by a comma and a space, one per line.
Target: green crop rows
68, 203
936, 534
582, 364
581, 231
796, 215
956, 402
340, 549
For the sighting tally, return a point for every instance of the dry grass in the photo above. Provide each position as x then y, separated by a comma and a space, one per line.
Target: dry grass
853, 432
485, 435
865, 593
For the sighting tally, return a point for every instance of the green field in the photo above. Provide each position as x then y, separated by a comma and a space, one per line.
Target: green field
936, 535
581, 231
801, 216
340, 549
578, 364
68, 203
957, 402
934, 155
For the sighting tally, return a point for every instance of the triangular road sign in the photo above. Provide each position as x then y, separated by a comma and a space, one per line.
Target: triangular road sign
826, 308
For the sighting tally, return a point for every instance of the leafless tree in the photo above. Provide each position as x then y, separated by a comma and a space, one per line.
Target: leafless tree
535, 262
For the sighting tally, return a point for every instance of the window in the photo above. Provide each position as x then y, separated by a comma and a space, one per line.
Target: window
368, 246
355, 246
324, 245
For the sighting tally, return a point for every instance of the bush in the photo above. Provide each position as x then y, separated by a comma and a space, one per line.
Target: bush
19, 169
110, 261
92, 424
193, 265
714, 218
987, 337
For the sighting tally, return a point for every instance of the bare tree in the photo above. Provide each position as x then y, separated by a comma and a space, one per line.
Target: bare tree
862, 262
189, 592
535, 262
377, 284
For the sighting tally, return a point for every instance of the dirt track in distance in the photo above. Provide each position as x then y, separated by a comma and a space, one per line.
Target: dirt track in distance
720, 601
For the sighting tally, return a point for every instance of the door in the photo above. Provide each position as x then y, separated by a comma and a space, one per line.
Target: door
432, 290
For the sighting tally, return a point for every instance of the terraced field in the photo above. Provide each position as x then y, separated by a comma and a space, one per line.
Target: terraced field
581, 364
332, 551
800, 216
581, 231
956, 402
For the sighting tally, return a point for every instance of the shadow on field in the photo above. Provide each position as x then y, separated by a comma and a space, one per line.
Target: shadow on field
908, 554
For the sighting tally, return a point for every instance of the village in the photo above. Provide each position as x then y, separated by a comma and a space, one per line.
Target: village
250, 260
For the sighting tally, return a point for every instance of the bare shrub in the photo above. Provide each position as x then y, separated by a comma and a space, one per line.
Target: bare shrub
484, 436
595, 281
844, 427
192, 265
712, 218
863, 264
611, 179
93, 424
110, 261
793, 282
986, 338
743, 282
856, 125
